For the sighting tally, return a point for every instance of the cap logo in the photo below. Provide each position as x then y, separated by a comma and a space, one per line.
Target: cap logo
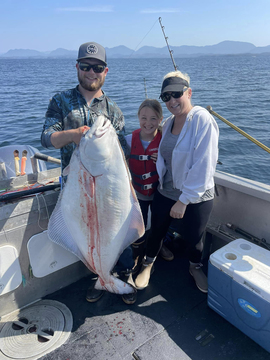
92, 49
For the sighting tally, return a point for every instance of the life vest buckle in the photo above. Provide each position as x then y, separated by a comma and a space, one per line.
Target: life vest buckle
146, 176
144, 157
147, 186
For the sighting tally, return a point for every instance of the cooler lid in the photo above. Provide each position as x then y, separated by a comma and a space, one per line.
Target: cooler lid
246, 263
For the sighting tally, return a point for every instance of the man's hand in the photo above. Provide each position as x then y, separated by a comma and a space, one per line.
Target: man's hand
178, 210
62, 138
78, 133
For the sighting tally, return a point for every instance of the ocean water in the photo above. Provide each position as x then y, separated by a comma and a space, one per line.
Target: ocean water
237, 87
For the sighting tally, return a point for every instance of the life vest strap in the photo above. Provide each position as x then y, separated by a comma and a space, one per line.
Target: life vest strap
147, 186
145, 176
140, 157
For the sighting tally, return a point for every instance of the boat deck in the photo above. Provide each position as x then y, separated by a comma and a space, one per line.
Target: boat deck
170, 320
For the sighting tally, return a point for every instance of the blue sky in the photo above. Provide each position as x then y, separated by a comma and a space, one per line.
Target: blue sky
48, 25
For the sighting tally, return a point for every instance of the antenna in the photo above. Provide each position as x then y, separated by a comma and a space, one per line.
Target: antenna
166, 39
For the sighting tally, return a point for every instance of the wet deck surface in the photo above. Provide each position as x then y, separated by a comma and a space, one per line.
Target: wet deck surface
164, 323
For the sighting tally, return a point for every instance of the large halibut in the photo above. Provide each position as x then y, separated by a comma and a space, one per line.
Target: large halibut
98, 215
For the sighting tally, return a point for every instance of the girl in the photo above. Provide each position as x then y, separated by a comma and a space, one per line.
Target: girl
143, 144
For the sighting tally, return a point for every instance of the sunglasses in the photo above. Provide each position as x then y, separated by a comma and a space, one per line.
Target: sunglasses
96, 68
165, 97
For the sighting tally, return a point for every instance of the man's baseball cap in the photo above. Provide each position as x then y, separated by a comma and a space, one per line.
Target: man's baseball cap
92, 50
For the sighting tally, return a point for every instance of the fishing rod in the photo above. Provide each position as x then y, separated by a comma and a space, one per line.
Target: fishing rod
166, 39
145, 88
209, 108
261, 242
170, 51
22, 193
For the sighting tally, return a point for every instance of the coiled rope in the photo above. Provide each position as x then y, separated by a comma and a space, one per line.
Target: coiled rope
209, 108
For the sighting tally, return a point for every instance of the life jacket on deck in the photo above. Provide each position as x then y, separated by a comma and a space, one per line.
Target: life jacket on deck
142, 168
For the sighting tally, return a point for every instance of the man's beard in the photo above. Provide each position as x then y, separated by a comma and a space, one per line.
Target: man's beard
91, 87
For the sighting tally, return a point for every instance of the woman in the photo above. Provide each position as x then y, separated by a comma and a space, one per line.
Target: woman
186, 163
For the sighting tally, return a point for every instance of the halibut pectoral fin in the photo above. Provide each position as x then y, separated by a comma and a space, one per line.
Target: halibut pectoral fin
137, 218
136, 227
59, 233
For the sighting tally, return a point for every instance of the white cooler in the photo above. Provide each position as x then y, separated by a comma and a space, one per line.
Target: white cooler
239, 288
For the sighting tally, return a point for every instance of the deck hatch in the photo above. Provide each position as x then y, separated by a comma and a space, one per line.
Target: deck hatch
46, 257
34, 331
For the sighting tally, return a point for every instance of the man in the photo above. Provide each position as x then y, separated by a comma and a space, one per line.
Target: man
72, 112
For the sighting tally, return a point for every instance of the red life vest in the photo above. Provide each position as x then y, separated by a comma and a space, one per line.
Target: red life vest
142, 168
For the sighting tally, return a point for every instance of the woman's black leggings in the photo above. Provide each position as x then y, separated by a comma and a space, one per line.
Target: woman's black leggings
191, 227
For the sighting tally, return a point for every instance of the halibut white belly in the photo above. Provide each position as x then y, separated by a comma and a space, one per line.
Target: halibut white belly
98, 215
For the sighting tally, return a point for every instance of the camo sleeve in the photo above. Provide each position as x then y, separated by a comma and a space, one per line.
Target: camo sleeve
53, 122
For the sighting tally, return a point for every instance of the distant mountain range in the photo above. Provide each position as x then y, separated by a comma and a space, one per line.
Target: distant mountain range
223, 48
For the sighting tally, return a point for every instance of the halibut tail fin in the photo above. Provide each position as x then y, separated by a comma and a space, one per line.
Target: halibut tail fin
114, 285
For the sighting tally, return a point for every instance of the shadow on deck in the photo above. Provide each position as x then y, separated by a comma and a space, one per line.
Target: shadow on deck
170, 320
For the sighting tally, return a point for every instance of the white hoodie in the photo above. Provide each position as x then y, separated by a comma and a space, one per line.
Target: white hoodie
194, 157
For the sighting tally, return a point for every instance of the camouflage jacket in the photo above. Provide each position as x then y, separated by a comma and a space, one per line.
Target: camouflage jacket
69, 110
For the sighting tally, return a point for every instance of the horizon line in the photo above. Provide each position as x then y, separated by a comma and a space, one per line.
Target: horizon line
199, 46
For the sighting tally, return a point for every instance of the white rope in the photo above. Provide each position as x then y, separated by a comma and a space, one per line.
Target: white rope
39, 211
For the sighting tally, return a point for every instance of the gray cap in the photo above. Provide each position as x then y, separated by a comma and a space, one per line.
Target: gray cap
92, 50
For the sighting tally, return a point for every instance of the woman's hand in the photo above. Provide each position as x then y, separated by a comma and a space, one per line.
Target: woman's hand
178, 210
154, 157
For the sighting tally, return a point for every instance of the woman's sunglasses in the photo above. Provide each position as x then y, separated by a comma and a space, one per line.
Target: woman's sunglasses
96, 68
175, 94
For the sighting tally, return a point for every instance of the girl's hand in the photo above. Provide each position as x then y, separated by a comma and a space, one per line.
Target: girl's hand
178, 210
